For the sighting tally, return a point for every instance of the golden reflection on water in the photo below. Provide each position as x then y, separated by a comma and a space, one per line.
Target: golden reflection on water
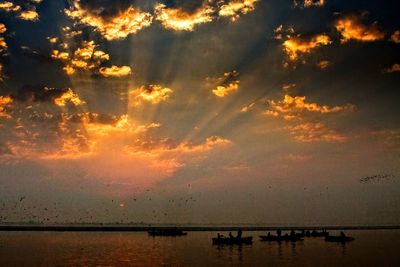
371, 248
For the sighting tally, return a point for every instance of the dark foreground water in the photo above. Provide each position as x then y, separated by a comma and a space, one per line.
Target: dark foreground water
371, 248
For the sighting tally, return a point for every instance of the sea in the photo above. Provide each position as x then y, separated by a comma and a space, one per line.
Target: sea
371, 248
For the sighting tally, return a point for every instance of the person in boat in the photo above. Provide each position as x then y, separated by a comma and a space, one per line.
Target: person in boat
279, 232
239, 234
292, 234
219, 236
230, 235
268, 234
342, 235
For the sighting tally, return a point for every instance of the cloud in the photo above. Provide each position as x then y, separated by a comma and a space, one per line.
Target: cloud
315, 132
119, 26
169, 146
153, 94
115, 71
9, 6
309, 3
2, 76
4, 102
292, 108
226, 84
68, 97
40, 93
351, 27
392, 69
87, 57
395, 37
31, 15
25, 12
235, 8
179, 19
304, 118
248, 107
3, 44
296, 45
323, 64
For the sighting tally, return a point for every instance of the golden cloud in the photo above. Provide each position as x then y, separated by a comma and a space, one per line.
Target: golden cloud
31, 15
395, 37
227, 84
351, 27
393, 68
309, 3
248, 107
302, 126
3, 44
235, 8
296, 45
291, 108
115, 71
9, 6
3, 28
180, 20
4, 102
222, 91
86, 57
315, 132
120, 26
68, 97
153, 94
1, 73
323, 64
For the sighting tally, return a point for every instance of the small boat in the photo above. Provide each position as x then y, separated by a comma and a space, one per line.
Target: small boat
314, 233
232, 241
339, 239
286, 238
166, 232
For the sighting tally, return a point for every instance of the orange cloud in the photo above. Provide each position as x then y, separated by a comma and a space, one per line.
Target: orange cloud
323, 64
68, 97
296, 45
226, 84
351, 27
180, 20
393, 68
153, 94
31, 15
115, 71
309, 3
3, 44
86, 57
395, 37
4, 102
235, 8
1, 73
291, 108
248, 107
119, 26
9, 6
315, 132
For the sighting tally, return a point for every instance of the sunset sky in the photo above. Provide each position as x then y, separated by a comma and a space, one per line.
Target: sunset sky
200, 111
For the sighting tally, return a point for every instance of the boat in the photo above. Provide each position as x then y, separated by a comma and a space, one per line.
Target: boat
338, 239
282, 238
233, 240
166, 232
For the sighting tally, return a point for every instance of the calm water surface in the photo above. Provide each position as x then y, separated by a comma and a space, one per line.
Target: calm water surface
371, 248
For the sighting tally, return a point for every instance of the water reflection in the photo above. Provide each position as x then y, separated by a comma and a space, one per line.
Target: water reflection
137, 249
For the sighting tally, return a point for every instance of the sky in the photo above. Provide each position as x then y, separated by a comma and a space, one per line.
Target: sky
200, 112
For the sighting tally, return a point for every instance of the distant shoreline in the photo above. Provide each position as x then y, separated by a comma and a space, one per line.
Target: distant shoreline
127, 228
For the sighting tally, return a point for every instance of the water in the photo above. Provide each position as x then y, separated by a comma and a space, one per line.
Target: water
371, 248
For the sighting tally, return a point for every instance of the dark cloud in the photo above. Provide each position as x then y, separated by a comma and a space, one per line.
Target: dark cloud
37, 93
